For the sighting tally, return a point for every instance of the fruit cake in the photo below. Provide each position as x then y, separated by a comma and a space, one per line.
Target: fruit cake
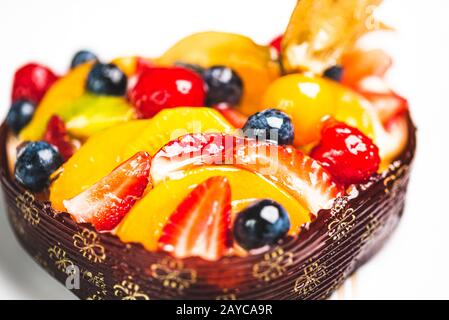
222, 168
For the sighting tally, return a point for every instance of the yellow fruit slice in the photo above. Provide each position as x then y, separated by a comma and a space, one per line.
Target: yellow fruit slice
62, 92
251, 61
104, 151
145, 221
310, 100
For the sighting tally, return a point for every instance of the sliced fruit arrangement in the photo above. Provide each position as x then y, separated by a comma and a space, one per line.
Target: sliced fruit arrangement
107, 201
200, 225
145, 222
104, 151
300, 175
251, 62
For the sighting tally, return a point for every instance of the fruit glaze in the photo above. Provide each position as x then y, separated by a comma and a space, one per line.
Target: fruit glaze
222, 169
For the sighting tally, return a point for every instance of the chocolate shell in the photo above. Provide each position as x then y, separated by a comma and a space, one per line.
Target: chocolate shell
310, 266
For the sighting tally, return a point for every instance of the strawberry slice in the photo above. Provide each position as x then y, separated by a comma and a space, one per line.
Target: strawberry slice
107, 201
303, 177
200, 225
57, 135
236, 118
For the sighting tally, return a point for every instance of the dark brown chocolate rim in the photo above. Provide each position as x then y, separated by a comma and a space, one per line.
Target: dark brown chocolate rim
309, 266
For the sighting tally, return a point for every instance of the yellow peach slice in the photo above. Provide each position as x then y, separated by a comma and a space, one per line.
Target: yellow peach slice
144, 223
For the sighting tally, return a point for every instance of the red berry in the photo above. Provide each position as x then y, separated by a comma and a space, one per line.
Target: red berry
110, 199
160, 88
31, 82
350, 156
276, 44
235, 117
57, 135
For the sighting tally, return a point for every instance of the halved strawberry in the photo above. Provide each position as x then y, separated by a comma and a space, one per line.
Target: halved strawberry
303, 177
200, 225
107, 202
236, 118
57, 135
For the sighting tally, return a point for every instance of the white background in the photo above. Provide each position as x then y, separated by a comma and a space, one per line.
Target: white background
415, 263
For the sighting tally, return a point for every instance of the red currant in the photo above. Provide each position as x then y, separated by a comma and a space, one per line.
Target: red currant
275, 44
31, 82
349, 155
160, 88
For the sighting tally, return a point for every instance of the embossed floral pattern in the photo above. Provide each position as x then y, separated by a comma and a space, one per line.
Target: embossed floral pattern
308, 282
172, 274
273, 265
88, 244
341, 225
25, 203
60, 258
128, 290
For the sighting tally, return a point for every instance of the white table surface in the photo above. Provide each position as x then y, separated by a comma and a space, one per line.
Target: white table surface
415, 262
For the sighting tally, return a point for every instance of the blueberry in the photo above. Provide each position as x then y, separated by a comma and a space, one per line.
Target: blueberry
81, 57
192, 67
271, 124
35, 163
262, 223
334, 73
106, 79
20, 114
224, 86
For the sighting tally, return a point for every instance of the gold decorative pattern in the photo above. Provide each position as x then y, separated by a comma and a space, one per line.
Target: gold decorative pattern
128, 290
25, 202
310, 279
370, 228
226, 295
88, 244
96, 296
273, 265
60, 258
172, 274
391, 183
341, 225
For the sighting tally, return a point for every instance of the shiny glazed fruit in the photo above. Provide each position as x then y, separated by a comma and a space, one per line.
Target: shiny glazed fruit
350, 156
144, 223
310, 100
35, 163
224, 85
65, 90
20, 114
81, 57
98, 156
56, 134
106, 79
32, 81
271, 124
252, 62
260, 224
160, 88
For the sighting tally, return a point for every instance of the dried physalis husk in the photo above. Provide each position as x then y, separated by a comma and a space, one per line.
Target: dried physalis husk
321, 30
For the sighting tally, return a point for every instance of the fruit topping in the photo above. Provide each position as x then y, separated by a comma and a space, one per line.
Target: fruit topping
36, 161
64, 91
98, 156
304, 178
262, 223
235, 117
106, 79
144, 223
224, 85
271, 124
334, 73
160, 88
81, 57
360, 64
252, 62
90, 114
106, 203
192, 67
57, 135
350, 156
200, 226
31, 82
20, 114
275, 45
